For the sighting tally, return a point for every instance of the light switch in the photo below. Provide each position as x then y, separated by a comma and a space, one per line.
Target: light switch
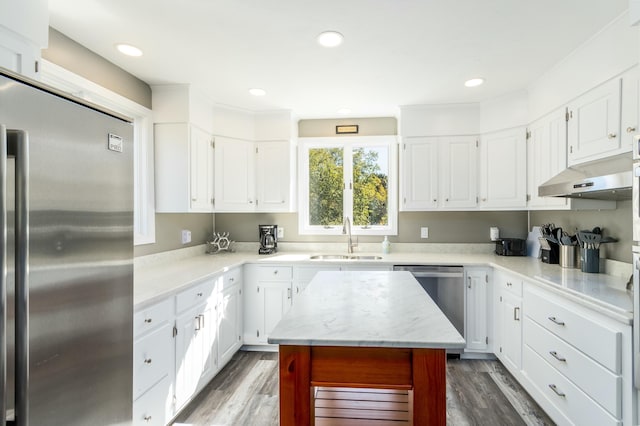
186, 236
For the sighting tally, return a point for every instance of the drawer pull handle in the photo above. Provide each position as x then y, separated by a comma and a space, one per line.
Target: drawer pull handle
148, 320
147, 361
556, 356
556, 321
198, 323
516, 313
147, 418
557, 392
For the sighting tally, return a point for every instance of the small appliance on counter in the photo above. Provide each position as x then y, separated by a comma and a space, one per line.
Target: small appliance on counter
511, 247
268, 239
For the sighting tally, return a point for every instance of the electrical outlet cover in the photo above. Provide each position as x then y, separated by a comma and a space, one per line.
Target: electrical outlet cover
424, 232
280, 233
186, 236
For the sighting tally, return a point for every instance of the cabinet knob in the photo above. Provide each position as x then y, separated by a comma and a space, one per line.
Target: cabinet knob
484, 199
282, 201
232, 279
446, 199
148, 320
147, 361
435, 200
147, 418
275, 272
612, 135
250, 201
194, 199
631, 129
199, 294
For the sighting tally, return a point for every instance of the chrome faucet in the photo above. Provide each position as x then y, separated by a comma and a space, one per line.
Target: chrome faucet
346, 230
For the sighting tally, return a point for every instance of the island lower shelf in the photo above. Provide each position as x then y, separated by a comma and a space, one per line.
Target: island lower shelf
420, 371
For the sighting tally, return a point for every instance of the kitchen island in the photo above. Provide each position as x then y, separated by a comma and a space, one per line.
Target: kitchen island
364, 330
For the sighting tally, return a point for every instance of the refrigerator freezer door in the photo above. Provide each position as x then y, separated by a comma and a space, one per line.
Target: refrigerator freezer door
80, 258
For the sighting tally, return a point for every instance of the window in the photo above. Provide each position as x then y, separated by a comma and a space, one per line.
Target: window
354, 177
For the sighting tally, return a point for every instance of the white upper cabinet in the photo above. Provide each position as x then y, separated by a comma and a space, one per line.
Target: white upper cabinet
273, 177
594, 124
546, 157
235, 180
503, 173
24, 31
439, 173
184, 174
629, 115
183, 168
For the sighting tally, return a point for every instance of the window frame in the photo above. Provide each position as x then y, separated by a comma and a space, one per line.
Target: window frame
348, 144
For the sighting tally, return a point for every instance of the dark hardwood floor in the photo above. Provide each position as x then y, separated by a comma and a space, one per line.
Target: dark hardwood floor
245, 392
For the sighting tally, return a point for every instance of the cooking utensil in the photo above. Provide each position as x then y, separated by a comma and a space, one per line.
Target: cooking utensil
590, 240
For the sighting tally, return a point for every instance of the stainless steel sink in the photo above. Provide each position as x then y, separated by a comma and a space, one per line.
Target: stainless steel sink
329, 257
343, 257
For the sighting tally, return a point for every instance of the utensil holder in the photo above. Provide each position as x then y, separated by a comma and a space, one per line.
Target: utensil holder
590, 260
568, 256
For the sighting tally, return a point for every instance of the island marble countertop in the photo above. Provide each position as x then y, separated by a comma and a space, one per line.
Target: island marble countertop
166, 275
366, 309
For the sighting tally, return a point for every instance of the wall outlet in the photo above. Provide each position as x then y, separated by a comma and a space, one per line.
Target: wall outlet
424, 232
280, 233
186, 236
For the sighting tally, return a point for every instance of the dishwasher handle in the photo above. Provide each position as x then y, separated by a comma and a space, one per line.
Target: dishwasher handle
437, 274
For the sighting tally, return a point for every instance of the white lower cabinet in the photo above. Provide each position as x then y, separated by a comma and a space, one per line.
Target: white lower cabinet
268, 296
576, 361
508, 313
196, 351
153, 364
302, 276
182, 342
478, 310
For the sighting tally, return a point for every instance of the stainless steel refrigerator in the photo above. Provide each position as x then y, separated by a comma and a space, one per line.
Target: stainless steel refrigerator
66, 301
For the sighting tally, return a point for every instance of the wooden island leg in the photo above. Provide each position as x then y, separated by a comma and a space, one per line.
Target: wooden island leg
295, 386
429, 387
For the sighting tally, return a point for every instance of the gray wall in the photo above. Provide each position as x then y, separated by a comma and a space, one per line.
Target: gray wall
366, 127
169, 228
614, 223
76, 58
444, 227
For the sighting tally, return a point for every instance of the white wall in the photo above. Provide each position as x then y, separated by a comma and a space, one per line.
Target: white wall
511, 110
435, 120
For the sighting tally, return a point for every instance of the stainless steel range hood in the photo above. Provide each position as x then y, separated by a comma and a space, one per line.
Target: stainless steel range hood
608, 179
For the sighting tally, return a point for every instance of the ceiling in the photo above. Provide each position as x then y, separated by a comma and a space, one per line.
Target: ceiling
395, 52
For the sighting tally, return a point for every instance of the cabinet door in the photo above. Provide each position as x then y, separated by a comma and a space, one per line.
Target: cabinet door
594, 124
546, 157
302, 276
276, 302
193, 351
420, 174
234, 175
273, 180
630, 109
201, 167
511, 318
229, 322
477, 316
503, 170
459, 175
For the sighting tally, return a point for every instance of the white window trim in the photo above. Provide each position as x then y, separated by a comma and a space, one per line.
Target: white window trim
353, 141
144, 201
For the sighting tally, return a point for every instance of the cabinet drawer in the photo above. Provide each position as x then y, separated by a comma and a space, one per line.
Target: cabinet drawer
274, 273
232, 277
582, 331
306, 273
154, 407
195, 295
152, 359
596, 381
508, 282
562, 393
152, 317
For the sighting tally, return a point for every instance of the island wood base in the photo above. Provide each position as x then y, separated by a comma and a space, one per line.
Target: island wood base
421, 370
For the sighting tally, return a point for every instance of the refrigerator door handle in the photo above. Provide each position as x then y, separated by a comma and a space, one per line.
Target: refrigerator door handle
3, 275
18, 147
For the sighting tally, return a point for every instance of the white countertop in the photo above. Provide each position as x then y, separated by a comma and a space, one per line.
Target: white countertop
168, 275
366, 309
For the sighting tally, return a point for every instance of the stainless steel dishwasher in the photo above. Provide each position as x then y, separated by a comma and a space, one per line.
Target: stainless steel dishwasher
445, 285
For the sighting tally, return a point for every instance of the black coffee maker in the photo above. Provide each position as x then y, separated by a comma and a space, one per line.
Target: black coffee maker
268, 239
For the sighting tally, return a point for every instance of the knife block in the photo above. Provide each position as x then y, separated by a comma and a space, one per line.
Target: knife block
551, 255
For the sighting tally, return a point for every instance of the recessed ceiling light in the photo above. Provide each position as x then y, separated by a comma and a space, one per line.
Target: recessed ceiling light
257, 92
344, 111
129, 50
330, 39
474, 82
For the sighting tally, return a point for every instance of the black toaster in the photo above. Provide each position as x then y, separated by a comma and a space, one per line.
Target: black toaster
511, 247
